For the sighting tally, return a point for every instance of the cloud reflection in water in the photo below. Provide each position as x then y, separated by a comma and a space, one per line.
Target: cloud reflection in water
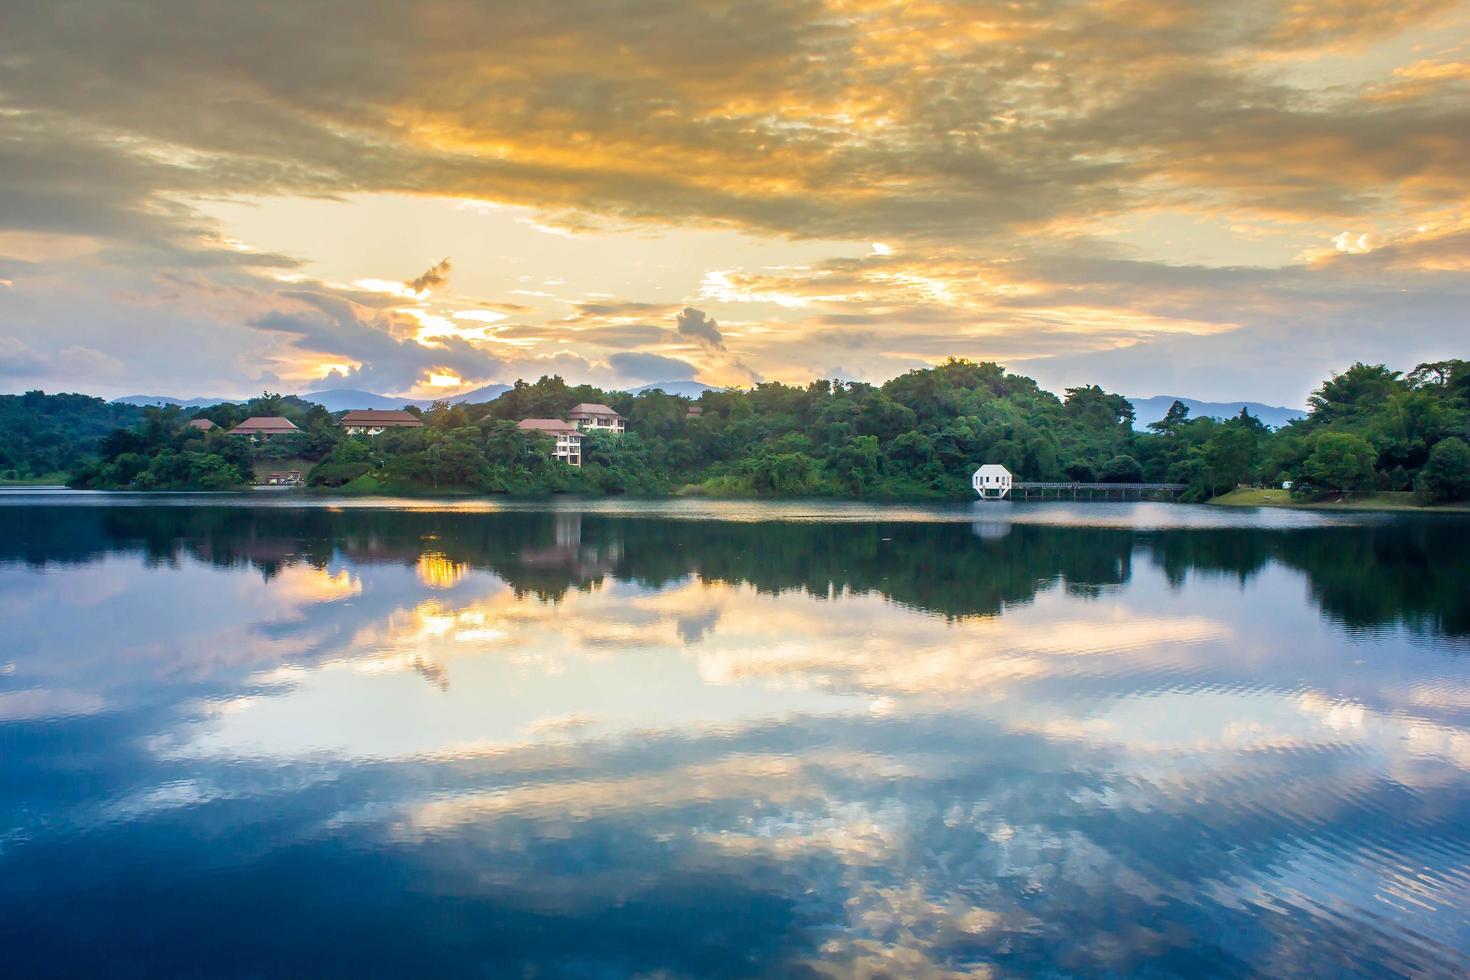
855, 749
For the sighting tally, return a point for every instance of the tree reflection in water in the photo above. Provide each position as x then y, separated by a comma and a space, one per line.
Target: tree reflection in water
728, 748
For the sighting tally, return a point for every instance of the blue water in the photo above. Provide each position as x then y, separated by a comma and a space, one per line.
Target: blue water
244, 736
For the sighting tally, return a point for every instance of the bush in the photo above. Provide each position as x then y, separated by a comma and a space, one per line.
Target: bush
1122, 469
1446, 475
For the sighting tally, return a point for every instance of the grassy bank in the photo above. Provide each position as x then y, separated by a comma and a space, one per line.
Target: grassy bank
1366, 501
44, 480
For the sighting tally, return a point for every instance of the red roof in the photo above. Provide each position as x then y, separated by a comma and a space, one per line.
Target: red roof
548, 425
265, 425
203, 425
384, 417
590, 408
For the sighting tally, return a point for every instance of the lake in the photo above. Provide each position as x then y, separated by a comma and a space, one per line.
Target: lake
257, 736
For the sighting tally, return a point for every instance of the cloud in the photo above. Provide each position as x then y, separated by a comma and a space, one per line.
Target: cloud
379, 345
434, 275
651, 367
76, 363
699, 327
696, 325
953, 122
1004, 156
17, 360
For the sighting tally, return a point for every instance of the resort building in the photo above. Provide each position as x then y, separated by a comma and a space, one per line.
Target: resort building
372, 422
694, 412
568, 438
588, 416
992, 481
203, 425
264, 427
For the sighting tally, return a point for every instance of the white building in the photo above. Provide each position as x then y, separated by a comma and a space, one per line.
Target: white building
992, 481
589, 416
567, 444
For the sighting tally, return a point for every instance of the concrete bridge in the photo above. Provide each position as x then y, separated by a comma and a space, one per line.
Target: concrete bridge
1097, 491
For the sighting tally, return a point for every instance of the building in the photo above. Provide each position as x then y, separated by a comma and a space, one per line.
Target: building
694, 412
588, 416
203, 425
992, 482
288, 478
372, 422
568, 445
264, 427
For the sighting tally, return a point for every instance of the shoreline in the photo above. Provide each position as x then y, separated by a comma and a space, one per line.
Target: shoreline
1387, 501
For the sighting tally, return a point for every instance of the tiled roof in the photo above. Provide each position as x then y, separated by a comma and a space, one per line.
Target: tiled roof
265, 423
548, 425
588, 408
385, 417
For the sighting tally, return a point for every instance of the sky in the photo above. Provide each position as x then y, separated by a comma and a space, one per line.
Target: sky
1223, 200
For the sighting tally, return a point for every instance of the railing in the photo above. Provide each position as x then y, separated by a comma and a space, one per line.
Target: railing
1105, 491
1099, 486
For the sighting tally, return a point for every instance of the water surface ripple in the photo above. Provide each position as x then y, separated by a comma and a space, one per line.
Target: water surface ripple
258, 735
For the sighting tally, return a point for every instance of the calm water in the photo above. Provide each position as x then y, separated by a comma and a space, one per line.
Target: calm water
713, 739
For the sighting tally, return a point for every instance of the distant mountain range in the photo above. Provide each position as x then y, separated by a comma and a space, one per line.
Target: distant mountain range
688, 389
143, 401
344, 399
1153, 409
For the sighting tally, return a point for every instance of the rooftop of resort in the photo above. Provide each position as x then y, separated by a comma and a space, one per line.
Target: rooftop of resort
380, 419
591, 408
549, 425
266, 425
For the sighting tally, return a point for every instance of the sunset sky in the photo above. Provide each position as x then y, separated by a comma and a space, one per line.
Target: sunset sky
1225, 200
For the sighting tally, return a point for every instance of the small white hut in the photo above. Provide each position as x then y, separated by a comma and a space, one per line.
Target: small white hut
992, 482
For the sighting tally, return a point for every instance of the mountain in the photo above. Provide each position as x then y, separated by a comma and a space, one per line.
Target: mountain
480, 395
143, 401
688, 389
332, 399
344, 399
1153, 409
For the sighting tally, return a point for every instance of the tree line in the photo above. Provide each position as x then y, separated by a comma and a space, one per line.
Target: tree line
919, 435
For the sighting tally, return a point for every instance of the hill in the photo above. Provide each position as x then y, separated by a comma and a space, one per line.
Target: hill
477, 397
42, 434
161, 401
332, 399
345, 399
686, 389
1155, 408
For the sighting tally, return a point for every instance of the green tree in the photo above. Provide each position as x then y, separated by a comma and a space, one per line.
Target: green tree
1353, 394
1122, 469
854, 465
1176, 416
1340, 462
1446, 476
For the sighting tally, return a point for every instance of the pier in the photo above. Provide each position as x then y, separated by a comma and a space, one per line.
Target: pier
1097, 491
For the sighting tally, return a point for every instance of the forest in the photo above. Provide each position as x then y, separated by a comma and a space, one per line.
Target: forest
917, 436
51, 436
